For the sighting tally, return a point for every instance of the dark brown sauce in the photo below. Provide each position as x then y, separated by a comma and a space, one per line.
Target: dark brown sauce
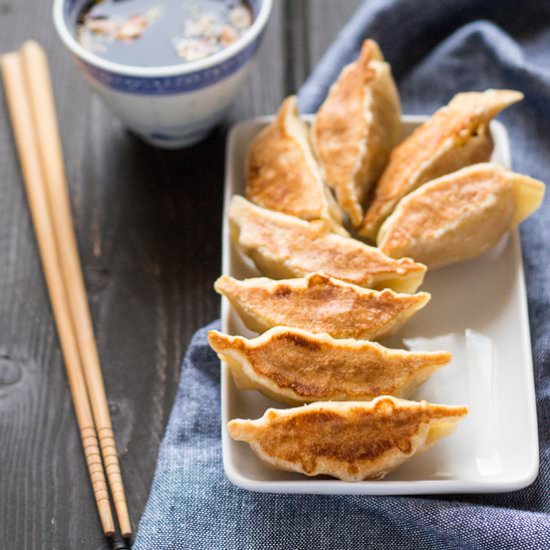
152, 33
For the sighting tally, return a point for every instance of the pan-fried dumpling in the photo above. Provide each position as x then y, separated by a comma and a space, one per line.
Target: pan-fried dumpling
283, 174
320, 304
351, 441
357, 127
454, 137
284, 246
459, 216
295, 366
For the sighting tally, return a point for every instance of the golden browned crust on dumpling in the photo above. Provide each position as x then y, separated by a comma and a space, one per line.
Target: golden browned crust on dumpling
455, 136
460, 215
319, 303
283, 174
296, 366
356, 128
351, 441
284, 246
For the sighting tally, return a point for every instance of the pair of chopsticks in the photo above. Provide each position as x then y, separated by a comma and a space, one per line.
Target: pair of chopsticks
30, 101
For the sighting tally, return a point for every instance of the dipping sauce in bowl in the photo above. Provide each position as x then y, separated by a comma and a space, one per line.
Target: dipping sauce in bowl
169, 69
150, 33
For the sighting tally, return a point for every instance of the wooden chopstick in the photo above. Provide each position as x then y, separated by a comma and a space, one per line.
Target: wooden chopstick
51, 157
26, 141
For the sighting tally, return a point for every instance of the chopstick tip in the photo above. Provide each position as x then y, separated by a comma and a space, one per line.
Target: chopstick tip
10, 57
106, 518
31, 44
32, 49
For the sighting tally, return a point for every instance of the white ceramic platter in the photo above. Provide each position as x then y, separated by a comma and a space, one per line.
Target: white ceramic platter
478, 312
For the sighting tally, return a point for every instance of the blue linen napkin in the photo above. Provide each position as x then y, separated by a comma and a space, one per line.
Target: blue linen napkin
436, 48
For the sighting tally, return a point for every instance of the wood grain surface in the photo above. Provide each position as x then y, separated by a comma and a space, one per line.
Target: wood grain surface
148, 224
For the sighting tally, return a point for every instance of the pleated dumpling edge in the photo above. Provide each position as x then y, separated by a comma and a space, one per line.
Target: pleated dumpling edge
320, 303
351, 441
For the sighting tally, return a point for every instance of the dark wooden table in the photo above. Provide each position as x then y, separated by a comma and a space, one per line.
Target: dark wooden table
148, 225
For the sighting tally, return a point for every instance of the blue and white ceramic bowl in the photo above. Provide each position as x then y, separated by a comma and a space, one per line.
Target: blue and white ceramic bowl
171, 106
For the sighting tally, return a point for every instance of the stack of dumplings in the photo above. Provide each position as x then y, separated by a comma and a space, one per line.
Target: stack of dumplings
314, 194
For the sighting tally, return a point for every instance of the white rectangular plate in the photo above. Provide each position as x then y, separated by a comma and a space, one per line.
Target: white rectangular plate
478, 312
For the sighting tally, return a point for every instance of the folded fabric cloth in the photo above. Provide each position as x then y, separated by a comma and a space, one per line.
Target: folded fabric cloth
436, 49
